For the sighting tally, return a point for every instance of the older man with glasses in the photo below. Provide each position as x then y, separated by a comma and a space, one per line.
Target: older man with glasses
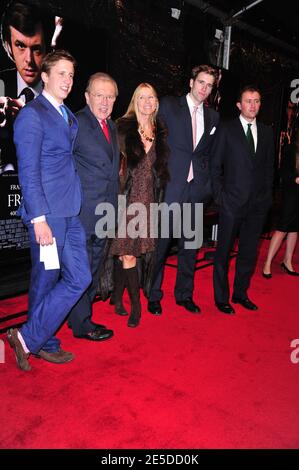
97, 158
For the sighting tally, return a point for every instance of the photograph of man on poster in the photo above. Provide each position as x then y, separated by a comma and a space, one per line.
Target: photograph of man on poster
26, 33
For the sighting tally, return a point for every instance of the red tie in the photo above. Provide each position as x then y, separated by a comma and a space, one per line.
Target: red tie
105, 129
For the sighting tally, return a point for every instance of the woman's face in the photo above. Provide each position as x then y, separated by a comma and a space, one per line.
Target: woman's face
146, 102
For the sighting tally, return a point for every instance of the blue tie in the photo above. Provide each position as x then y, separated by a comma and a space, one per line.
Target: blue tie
64, 113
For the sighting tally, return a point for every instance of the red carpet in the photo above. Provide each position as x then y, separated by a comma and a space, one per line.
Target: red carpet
176, 381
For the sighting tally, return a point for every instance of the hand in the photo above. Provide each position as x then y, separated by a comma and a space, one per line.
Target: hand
43, 233
9, 108
297, 180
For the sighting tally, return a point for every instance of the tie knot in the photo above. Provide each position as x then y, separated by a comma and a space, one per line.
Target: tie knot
195, 108
28, 93
249, 125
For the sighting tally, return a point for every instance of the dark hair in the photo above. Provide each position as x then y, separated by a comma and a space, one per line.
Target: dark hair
206, 69
53, 57
251, 88
27, 19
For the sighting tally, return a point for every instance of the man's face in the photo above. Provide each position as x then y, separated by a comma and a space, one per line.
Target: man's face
59, 81
100, 98
249, 105
28, 53
201, 87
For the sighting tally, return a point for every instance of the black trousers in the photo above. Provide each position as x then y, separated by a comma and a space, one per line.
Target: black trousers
249, 226
80, 315
186, 256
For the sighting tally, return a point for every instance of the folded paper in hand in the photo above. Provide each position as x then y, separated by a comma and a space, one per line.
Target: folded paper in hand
49, 256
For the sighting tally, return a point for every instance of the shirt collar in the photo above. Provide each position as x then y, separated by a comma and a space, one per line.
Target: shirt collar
191, 104
244, 122
52, 100
37, 89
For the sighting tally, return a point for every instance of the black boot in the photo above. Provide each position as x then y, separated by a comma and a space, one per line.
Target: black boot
119, 287
134, 293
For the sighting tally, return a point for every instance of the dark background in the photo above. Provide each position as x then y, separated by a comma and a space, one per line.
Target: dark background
139, 41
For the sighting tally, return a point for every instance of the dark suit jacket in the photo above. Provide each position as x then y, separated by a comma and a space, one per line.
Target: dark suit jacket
44, 143
240, 178
97, 163
175, 113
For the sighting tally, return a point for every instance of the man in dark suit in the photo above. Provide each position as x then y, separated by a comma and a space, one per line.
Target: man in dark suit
97, 160
191, 126
241, 162
45, 130
25, 33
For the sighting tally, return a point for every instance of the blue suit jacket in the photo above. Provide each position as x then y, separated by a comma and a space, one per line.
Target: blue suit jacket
97, 162
44, 143
174, 111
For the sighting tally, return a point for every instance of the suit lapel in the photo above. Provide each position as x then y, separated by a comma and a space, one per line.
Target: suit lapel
97, 131
114, 145
243, 139
260, 140
207, 128
185, 119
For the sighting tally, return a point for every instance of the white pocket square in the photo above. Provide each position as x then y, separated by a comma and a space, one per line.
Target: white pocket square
213, 130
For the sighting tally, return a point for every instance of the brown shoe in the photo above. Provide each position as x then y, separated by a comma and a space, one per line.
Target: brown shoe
15, 343
58, 357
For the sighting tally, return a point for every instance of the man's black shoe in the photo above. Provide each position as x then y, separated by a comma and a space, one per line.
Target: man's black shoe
189, 305
154, 307
246, 303
100, 334
95, 325
225, 308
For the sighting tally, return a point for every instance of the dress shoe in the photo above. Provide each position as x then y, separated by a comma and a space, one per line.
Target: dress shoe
189, 305
288, 271
154, 307
225, 308
100, 334
98, 326
266, 275
21, 355
57, 357
95, 325
246, 303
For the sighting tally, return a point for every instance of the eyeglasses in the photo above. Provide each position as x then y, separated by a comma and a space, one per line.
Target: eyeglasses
100, 97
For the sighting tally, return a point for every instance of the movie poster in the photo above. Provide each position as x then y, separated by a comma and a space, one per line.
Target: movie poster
30, 29
28, 32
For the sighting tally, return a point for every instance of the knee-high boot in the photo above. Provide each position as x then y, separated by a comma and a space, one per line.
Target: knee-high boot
134, 294
119, 287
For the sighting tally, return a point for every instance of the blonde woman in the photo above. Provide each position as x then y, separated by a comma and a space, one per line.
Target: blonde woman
142, 140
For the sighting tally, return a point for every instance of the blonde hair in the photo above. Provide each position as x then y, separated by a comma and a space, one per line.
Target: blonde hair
132, 110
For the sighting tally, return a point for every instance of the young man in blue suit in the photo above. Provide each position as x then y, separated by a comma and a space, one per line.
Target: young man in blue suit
44, 134
242, 163
97, 161
191, 127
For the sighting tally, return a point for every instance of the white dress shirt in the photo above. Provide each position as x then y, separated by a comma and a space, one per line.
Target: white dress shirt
253, 129
37, 89
200, 126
